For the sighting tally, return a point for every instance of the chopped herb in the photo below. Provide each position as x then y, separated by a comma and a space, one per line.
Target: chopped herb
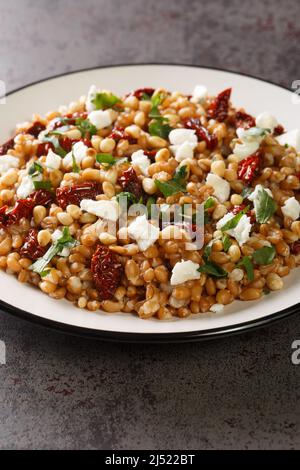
264, 255
42, 185
226, 243
65, 241
265, 206
35, 169
105, 100
248, 265
45, 273
286, 146
54, 140
246, 192
207, 219
232, 223
106, 159
75, 167
256, 132
85, 126
130, 198
156, 100
145, 97
176, 185
209, 203
207, 252
160, 129
151, 201
213, 269
60, 131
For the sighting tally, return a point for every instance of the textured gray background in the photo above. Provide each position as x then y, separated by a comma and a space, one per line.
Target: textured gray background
60, 392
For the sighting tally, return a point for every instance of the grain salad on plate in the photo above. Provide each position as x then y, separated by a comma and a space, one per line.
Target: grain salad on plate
70, 182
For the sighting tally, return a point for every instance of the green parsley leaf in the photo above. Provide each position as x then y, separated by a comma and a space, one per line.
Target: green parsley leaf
145, 97
151, 201
248, 265
207, 252
45, 273
106, 159
65, 241
42, 185
264, 255
210, 202
156, 100
246, 192
75, 167
265, 206
176, 185
85, 126
35, 169
105, 100
130, 198
213, 269
226, 243
232, 223
160, 129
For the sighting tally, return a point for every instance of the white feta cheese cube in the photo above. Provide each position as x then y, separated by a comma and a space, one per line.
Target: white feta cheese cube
199, 94
241, 232
79, 152
53, 161
108, 210
245, 149
141, 161
291, 138
291, 208
144, 233
90, 97
217, 308
100, 119
184, 271
183, 151
265, 120
26, 187
221, 187
7, 162
179, 136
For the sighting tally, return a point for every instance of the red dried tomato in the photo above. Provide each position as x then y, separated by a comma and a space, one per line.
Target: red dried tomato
218, 108
129, 182
119, 133
36, 128
202, 133
42, 197
248, 167
75, 194
150, 153
23, 208
143, 91
107, 272
44, 148
66, 143
295, 248
278, 130
7, 146
31, 248
244, 120
71, 120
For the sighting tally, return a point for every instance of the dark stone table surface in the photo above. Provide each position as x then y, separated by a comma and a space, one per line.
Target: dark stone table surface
64, 392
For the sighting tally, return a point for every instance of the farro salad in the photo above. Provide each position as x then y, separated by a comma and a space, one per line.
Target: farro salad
90, 197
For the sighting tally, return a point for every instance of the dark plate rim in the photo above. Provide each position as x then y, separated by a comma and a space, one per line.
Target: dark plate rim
116, 336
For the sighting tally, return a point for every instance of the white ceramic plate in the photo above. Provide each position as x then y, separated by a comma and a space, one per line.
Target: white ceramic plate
253, 94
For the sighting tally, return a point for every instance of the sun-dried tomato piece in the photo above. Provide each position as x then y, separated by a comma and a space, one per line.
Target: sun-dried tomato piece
143, 91
218, 108
23, 208
107, 272
76, 193
244, 120
7, 146
150, 153
201, 132
36, 128
295, 248
42, 197
44, 148
248, 168
31, 248
130, 182
278, 130
119, 133
66, 143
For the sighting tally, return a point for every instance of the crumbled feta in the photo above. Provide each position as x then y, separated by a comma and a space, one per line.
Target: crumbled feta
141, 161
27, 187
53, 161
199, 94
217, 308
7, 162
265, 120
184, 271
179, 136
105, 209
291, 208
90, 97
258, 188
241, 232
251, 140
100, 118
183, 151
221, 186
291, 138
144, 233
245, 149
79, 152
